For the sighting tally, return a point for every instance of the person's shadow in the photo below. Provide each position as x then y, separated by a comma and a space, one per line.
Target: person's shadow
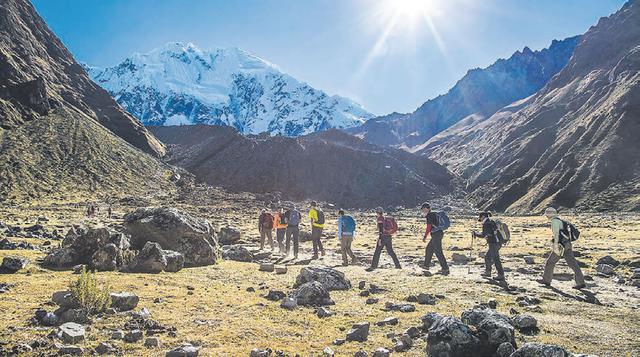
589, 297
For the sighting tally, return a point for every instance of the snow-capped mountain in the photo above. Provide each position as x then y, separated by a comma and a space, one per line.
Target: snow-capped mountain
182, 84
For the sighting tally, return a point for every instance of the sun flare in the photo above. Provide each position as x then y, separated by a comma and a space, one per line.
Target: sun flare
410, 10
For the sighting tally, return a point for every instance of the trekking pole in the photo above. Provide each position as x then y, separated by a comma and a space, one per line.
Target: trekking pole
473, 235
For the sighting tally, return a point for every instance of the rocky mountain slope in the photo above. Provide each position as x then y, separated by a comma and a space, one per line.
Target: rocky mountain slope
59, 132
480, 93
573, 144
182, 84
329, 166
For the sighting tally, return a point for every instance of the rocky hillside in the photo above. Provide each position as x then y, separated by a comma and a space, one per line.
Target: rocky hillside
182, 84
480, 93
329, 166
573, 144
59, 132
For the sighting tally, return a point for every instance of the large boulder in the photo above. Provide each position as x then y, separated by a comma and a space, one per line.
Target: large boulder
71, 332
237, 253
493, 328
359, 332
448, 336
609, 260
124, 301
330, 278
229, 235
540, 350
110, 258
80, 244
173, 230
153, 259
312, 294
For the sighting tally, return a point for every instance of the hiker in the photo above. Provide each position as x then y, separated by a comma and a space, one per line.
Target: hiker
435, 229
281, 227
265, 227
317, 224
387, 227
562, 235
109, 211
293, 219
346, 231
494, 239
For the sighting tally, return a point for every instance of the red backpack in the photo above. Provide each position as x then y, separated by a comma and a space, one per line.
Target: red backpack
389, 226
266, 220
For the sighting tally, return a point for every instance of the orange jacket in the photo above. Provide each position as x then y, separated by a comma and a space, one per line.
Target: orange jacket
277, 224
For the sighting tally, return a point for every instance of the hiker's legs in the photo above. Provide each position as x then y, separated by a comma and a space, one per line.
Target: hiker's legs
495, 254
270, 236
320, 247
349, 250
296, 240
488, 260
376, 254
315, 239
262, 234
388, 244
289, 233
280, 238
345, 248
573, 264
549, 266
428, 254
437, 249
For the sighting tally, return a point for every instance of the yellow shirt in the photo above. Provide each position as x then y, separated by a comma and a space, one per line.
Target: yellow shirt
313, 214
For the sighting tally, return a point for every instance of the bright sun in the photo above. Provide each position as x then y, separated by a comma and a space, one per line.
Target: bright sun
410, 9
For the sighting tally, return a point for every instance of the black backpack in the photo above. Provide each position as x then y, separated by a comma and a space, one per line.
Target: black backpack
569, 231
320, 217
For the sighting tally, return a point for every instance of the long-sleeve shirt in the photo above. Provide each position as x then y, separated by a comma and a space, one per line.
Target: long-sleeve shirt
432, 221
488, 231
339, 227
380, 221
556, 227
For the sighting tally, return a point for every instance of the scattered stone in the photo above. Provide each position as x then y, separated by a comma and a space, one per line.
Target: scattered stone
359, 332
460, 259
237, 253
289, 303
505, 349
540, 350
426, 299
404, 343
364, 293
389, 306
388, 321
413, 332
12, 264
322, 312
275, 295
259, 352
381, 352
105, 349
133, 336
361, 284
107, 258
174, 230
153, 259
608, 260
80, 244
124, 301
117, 335
328, 352
312, 293
71, 332
70, 350
495, 326
175, 261
229, 235
361, 353
339, 341
152, 342
280, 269
529, 259
186, 350
448, 336
330, 278
268, 267
371, 301
78, 315
605, 269
525, 322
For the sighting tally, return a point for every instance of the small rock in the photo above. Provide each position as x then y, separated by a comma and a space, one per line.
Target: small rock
371, 301
133, 336
339, 341
412, 332
280, 269
124, 301
117, 335
70, 350
608, 260
361, 353
525, 322
426, 299
529, 260
404, 343
492, 303
71, 332
259, 352
275, 295
104, 348
605, 269
328, 352
268, 267
361, 284
322, 312
505, 350
381, 352
388, 321
359, 332
289, 303
186, 350
458, 258
12, 264
152, 342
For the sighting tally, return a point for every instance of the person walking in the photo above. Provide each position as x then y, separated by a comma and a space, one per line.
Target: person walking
346, 232
434, 246
387, 227
292, 233
109, 211
316, 215
561, 247
265, 227
281, 227
491, 233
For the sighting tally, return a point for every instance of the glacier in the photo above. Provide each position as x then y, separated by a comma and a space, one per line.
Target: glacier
180, 84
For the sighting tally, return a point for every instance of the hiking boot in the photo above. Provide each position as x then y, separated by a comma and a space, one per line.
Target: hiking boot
542, 282
499, 278
370, 269
486, 275
354, 261
443, 272
579, 287
398, 267
295, 256
322, 253
315, 256
345, 264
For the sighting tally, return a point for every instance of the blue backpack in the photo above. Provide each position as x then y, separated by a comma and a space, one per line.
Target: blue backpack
443, 221
348, 224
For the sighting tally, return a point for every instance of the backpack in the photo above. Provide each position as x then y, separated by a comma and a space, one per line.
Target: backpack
348, 224
320, 219
283, 217
443, 221
294, 218
570, 231
389, 226
266, 220
502, 232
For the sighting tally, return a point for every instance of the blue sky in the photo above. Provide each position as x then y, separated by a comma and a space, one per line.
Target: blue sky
389, 55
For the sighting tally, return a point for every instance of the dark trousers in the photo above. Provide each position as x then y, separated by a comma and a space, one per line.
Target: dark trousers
568, 256
493, 257
293, 233
435, 246
384, 242
280, 238
316, 234
264, 232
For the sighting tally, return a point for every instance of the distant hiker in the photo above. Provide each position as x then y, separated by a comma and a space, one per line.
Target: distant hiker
563, 233
346, 231
109, 211
89, 211
494, 238
281, 227
387, 227
317, 225
265, 227
437, 223
293, 218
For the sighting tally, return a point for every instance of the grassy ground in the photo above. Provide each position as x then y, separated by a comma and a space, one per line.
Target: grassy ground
227, 320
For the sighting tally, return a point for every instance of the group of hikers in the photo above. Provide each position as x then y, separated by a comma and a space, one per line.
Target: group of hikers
496, 233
